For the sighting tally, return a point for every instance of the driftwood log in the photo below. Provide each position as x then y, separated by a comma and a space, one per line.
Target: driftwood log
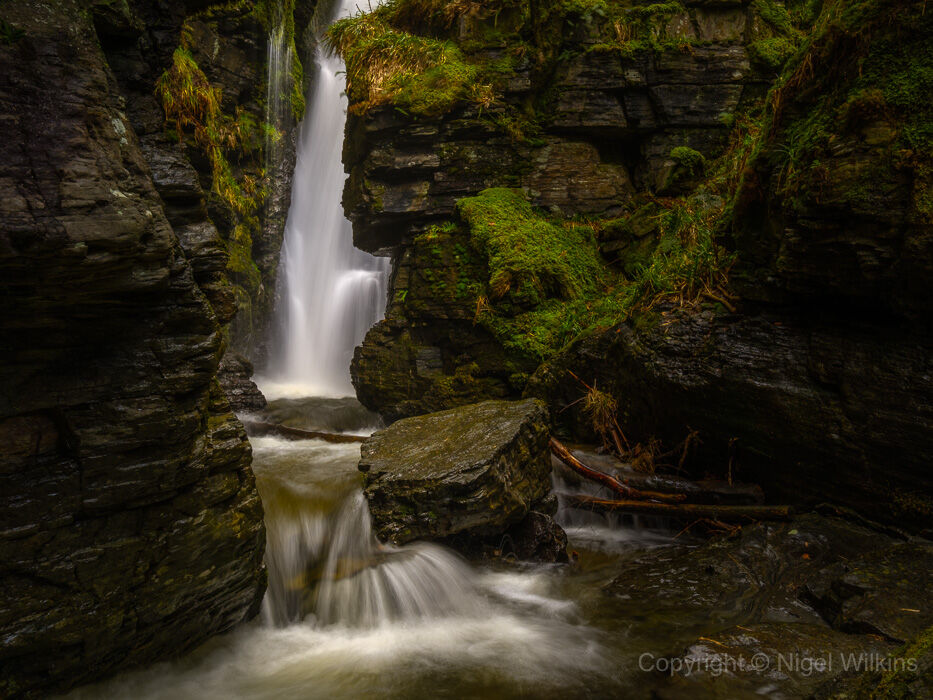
688, 511
259, 429
700, 491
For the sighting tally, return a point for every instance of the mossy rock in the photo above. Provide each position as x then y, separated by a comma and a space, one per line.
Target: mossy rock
473, 470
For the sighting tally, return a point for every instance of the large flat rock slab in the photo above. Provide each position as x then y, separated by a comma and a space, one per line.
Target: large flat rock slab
469, 470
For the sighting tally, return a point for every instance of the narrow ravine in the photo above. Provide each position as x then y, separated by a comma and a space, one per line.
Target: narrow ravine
344, 615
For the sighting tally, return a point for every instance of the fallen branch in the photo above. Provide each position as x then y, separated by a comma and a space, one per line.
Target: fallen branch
703, 491
693, 511
607, 480
258, 428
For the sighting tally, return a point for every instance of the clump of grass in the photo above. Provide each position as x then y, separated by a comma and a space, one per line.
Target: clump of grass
192, 105
601, 409
688, 266
423, 75
188, 98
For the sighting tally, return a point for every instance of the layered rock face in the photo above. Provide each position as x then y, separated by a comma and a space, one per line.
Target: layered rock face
131, 528
820, 388
817, 385
470, 471
232, 241
609, 122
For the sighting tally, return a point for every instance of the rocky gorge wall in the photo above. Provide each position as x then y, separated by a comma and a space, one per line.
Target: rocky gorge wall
602, 124
808, 371
131, 528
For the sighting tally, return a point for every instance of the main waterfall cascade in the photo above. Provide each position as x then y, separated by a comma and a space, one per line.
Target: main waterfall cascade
331, 292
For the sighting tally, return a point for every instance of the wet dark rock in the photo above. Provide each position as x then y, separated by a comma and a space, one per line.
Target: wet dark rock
753, 577
536, 538
879, 593
793, 660
335, 415
824, 409
469, 471
798, 604
130, 526
235, 375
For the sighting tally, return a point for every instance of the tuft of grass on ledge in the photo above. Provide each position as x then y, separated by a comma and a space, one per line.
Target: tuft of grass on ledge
420, 74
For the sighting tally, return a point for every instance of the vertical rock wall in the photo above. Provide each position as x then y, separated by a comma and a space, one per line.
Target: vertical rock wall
130, 526
606, 121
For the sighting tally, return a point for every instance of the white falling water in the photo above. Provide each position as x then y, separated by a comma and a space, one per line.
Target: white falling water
279, 60
331, 567
332, 292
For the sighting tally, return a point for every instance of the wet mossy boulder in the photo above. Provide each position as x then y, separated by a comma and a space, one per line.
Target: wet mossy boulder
471, 471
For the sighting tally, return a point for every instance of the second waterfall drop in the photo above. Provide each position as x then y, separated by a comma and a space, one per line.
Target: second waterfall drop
332, 292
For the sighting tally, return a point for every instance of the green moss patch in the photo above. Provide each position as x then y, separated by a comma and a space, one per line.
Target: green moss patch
866, 72
772, 53
548, 285
530, 258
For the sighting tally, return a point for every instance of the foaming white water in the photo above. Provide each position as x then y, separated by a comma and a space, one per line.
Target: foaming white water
346, 617
332, 292
331, 569
497, 654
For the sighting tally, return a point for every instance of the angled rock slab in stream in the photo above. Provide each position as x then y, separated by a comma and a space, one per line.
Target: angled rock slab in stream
471, 470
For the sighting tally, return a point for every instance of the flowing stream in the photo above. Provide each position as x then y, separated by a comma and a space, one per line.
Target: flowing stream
347, 617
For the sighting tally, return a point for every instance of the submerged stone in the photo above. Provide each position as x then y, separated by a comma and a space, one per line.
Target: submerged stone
878, 593
473, 470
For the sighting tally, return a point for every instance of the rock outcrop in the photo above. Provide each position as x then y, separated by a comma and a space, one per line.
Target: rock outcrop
130, 525
464, 473
819, 388
235, 376
814, 380
604, 124
819, 411
233, 245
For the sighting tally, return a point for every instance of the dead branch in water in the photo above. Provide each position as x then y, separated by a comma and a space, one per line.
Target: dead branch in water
607, 480
258, 428
690, 511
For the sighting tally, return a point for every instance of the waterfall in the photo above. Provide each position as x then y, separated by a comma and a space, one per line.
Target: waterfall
278, 61
332, 293
329, 567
